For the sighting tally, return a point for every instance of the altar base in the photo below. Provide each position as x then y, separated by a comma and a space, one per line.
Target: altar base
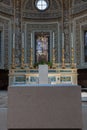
44, 107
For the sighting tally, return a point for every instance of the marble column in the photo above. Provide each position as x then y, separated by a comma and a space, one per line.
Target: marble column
18, 31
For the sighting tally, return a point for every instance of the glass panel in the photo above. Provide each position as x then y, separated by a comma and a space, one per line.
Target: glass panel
42, 4
41, 47
85, 46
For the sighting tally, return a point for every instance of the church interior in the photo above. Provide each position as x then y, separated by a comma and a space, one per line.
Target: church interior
60, 25
42, 32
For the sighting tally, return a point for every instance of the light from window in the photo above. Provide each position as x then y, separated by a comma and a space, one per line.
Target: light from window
42, 4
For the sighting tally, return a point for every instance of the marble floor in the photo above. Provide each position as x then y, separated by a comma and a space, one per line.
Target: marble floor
4, 108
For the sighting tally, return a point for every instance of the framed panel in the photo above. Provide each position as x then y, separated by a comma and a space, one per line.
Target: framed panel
42, 47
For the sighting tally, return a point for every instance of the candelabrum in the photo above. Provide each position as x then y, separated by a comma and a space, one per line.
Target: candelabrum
63, 59
53, 58
72, 59
13, 58
31, 58
22, 59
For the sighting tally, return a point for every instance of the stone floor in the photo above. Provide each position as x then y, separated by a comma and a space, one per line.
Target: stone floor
4, 108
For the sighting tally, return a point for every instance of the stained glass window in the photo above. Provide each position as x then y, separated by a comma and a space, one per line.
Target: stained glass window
42, 47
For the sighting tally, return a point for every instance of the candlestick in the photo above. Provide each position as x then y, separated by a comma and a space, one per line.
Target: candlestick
72, 58
62, 40
53, 39
31, 40
31, 59
63, 59
54, 58
13, 40
72, 39
13, 58
22, 59
22, 40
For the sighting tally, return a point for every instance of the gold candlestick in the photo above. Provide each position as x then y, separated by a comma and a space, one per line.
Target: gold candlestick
63, 59
22, 59
54, 58
13, 58
72, 58
31, 59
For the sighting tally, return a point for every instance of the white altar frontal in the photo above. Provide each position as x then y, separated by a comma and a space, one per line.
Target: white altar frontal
56, 75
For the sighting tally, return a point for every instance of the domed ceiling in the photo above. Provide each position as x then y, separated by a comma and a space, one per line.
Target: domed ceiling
53, 11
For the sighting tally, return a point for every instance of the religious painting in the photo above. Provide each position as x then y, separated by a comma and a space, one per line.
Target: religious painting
85, 46
42, 47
